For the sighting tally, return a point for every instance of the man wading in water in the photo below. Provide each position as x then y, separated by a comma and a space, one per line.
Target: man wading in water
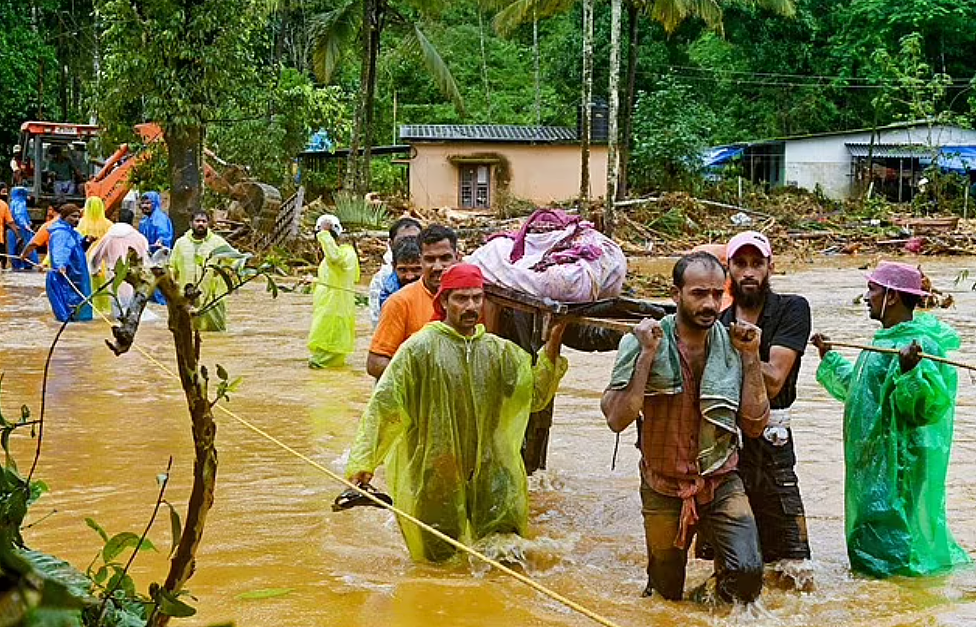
766, 464
447, 418
696, 385
898, 414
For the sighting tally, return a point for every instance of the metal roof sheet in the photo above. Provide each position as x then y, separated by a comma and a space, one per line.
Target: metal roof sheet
487, 133
893, 151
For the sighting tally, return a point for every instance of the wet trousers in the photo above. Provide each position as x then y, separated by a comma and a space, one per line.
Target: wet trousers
770, 481
728, 525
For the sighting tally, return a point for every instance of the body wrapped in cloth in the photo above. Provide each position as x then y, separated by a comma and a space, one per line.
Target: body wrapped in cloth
897, 438
447, 419
556, 256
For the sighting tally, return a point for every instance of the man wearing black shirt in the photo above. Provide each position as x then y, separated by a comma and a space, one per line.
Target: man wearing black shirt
766, 464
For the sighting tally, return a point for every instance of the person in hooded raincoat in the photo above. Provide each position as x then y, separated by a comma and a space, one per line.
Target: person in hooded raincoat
93, 226
447, 419
93, 223
68, 281
157, 228
114, 246
189, 262
333, 332
17, 240
155, 225
898, 418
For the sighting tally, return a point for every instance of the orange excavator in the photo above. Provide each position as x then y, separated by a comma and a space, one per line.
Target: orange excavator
67, 172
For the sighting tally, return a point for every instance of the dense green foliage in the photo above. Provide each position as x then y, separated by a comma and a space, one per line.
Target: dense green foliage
834, 64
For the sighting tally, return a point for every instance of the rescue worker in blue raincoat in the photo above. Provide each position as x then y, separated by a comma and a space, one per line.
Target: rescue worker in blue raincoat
17, 241
69, 268
157, 228
155, 225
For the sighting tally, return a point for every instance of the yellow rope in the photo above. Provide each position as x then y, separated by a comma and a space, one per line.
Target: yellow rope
455, 543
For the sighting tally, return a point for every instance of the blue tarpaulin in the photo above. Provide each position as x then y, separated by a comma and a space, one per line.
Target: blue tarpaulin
955, 158
720, 155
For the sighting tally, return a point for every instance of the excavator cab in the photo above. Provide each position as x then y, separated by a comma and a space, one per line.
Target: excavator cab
53, 163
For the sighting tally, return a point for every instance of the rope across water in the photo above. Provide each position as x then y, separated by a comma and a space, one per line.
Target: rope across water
404, 515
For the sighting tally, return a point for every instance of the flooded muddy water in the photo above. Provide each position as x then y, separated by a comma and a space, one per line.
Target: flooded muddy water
112, 423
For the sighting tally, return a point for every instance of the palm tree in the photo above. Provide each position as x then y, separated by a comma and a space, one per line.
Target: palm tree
334, 31
670, 14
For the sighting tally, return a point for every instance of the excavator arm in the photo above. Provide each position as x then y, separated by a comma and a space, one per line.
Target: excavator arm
111, 182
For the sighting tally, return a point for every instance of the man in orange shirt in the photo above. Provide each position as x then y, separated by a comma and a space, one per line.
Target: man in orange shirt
409, 309
42, 238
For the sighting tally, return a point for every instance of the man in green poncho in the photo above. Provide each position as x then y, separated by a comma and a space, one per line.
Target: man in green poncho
192, 259
898, 414
447, 418
333, 332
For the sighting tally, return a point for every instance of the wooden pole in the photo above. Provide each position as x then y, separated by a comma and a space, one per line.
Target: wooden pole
895, 351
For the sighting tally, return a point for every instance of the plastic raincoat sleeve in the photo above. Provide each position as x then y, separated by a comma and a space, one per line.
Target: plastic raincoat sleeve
545, 379
333, 254
921, 396
835, 374
385, 418
60, 252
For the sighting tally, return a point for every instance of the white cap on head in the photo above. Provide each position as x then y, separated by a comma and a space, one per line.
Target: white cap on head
328, 221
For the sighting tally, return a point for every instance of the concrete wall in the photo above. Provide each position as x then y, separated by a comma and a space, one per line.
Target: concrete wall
826, 160
540, 173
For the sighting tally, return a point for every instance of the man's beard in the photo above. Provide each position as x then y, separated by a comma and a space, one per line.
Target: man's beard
752, 299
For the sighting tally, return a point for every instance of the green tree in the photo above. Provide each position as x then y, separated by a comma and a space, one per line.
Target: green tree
27, 62
367, 20
177, 62
671, 128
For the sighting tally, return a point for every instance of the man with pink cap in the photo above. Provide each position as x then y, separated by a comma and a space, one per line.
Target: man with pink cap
766, 463
898, 415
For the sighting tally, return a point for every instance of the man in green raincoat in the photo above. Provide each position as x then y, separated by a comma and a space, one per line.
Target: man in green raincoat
898, 414
447, 418
193, 258
333, 332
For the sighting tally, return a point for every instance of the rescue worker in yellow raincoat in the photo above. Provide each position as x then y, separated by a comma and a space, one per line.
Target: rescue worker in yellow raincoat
193, 257
447, 419
93, 226
333, 332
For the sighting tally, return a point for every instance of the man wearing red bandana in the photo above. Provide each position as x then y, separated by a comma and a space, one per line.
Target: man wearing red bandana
447, 419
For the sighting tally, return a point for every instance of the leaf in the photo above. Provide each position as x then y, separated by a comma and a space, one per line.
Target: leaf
226, 252
100, 575
176, 528
172, 606
94, 525
25, 413
222, 373
122, 541
233, 385
267, 593
120, 271
438, 69
272, 287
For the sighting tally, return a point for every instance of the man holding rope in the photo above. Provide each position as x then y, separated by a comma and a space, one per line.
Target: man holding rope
898, 415
447, 419
697, 385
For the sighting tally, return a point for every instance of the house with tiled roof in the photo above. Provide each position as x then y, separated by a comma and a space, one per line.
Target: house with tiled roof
481, 166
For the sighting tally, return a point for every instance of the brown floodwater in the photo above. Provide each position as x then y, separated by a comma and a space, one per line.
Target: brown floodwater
112, 423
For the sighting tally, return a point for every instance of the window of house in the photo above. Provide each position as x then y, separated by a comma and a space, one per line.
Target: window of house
475, 186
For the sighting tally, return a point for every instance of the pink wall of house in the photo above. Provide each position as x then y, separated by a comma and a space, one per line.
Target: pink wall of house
540, 173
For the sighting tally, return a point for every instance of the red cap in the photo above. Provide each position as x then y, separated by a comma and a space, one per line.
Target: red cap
461, 276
